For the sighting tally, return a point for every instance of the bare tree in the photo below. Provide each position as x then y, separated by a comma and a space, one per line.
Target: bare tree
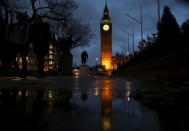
81, 32
59, 13
71, 32
8, 8
57, 10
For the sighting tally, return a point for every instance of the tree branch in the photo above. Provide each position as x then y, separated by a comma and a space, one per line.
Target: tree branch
33, 7
53, 18
47, 7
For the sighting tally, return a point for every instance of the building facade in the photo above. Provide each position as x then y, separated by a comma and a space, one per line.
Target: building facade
50, 61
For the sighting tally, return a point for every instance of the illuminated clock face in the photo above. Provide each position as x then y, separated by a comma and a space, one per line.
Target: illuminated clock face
106, 27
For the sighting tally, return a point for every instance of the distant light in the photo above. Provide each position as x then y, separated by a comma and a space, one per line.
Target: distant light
51, 63
26, 93
19, 93
106, 124
128, 90
99, 69
50, 94
51, 47
51, 52
27, 58
15, 78
96, 91
50, 56
76, 69
128, 98
76, 72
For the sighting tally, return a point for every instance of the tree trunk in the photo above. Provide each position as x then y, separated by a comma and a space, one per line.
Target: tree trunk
33, 7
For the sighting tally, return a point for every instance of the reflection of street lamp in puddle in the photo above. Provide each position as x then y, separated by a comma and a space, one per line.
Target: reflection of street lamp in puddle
96, 91
15, 78
77, 75
27, 93
128, 90
76, 83
76, 72
106, 124
128, 95
50, 95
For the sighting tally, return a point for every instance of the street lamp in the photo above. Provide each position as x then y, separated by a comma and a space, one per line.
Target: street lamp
158, 7
132, 35
96, 61
137, 20
124, 47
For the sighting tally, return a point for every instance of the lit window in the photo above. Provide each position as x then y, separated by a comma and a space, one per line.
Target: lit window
51, 47
50, 52
51, 62
50, 57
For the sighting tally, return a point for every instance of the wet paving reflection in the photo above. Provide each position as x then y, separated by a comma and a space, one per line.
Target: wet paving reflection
82, 104
106, 105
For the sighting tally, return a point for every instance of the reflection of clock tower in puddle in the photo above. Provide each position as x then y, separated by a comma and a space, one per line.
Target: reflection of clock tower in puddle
106, 105
106, 39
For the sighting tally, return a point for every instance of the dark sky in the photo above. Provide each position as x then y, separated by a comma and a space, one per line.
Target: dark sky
92, 10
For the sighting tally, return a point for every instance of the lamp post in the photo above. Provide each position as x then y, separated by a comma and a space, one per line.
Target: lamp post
124, 47
137, 20
158, 7
96, 61
133, 38
129, 34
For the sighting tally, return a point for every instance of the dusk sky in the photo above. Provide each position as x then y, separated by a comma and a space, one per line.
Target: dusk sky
91, 11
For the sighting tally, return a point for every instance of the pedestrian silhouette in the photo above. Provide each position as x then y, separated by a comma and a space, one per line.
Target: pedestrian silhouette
40, 36
84, 57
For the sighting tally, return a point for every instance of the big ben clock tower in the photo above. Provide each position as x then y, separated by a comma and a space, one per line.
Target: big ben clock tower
106, 39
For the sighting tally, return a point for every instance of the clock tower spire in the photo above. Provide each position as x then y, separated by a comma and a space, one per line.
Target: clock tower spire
106, 39
106, 12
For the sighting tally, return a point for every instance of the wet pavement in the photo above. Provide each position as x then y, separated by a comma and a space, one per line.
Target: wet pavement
73, 104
